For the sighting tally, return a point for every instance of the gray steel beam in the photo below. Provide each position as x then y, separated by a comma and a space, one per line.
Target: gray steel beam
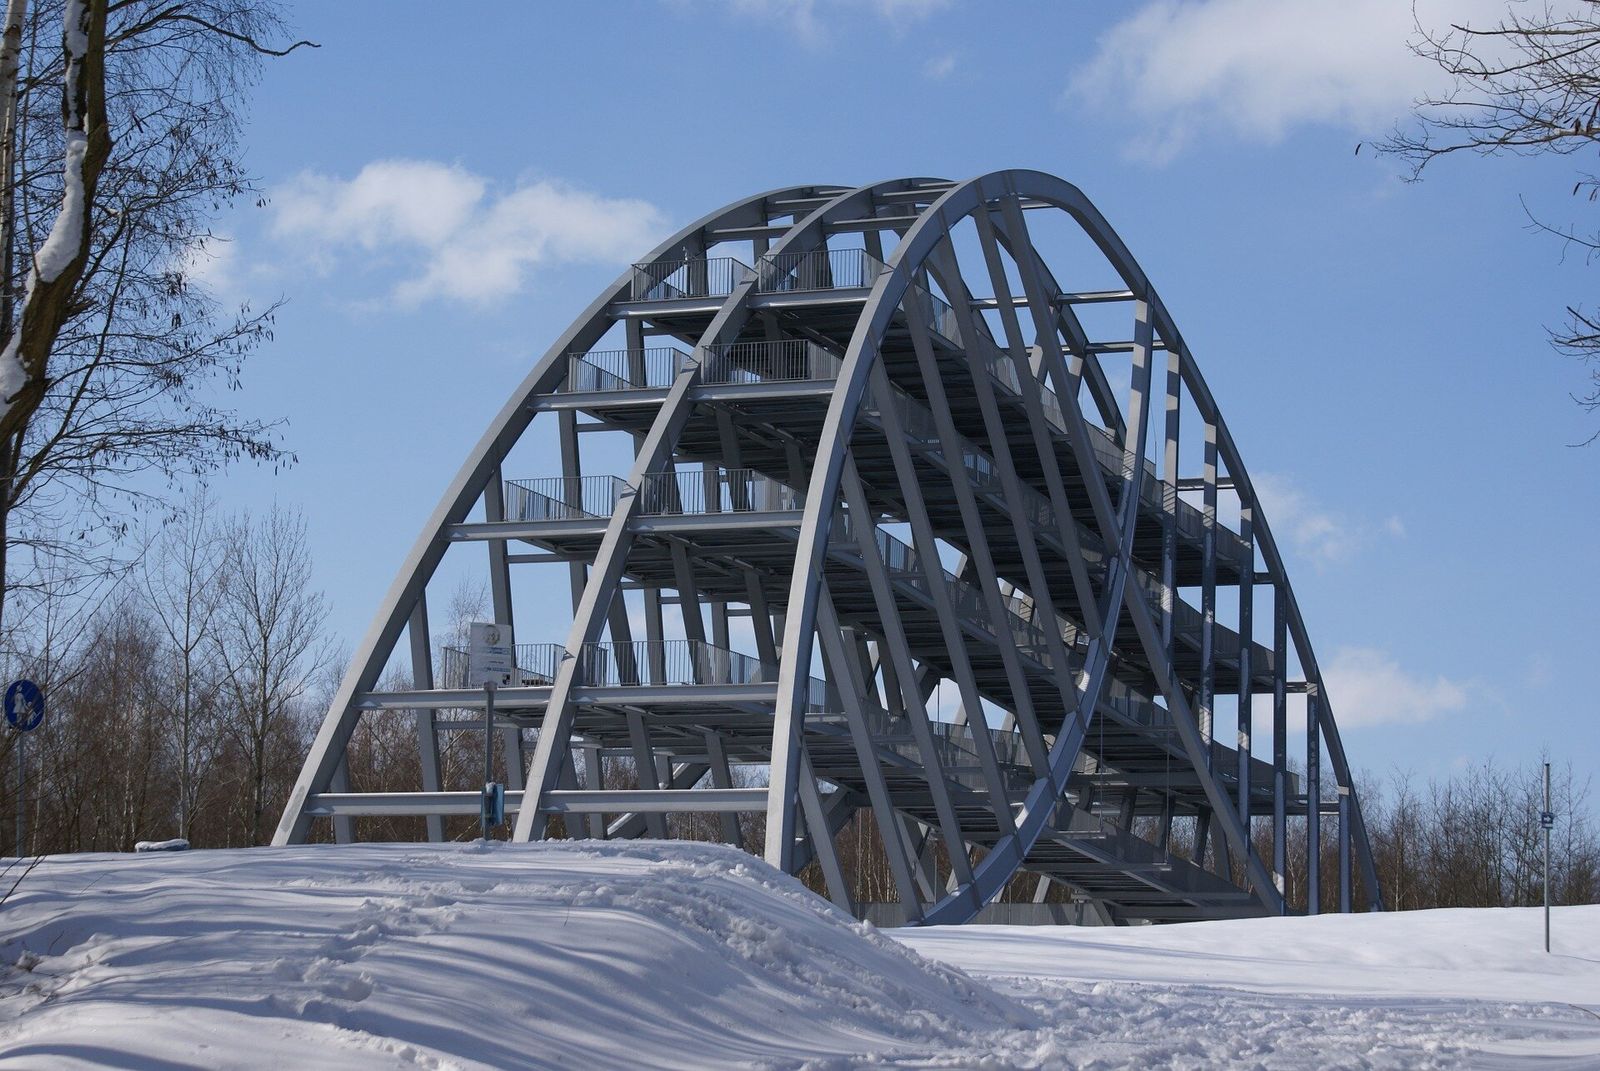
655, 802
1206, 700
1313, 807
820, 835
1280, 741
1246, 646
722, 778
1345, 891
427, 734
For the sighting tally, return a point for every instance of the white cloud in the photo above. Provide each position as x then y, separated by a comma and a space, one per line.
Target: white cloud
1368, 687
940, 67
210, 264
1254, 69
1324, 536
452, 233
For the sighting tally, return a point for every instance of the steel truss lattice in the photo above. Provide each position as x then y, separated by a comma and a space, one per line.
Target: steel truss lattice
872, 435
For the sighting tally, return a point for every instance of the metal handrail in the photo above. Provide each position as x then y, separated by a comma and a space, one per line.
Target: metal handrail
654, 663
606, 370
779, 361
699, 490
694, 277
819, 269
562, 498
941, 318
536, 665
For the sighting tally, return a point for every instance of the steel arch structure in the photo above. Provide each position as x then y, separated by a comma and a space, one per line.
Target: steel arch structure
877, 448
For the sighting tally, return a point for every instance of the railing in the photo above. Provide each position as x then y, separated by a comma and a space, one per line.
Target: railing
941, 317
643, 663
562, 498
669, 280
822, 269
536, 665
695, 491
781, 361
603, 370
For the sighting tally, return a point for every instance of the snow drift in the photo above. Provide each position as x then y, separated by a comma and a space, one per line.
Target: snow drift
652, 955
615, 955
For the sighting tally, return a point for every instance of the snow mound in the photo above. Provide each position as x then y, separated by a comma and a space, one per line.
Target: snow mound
1407, 990
447, 956
1489, 954
677, 956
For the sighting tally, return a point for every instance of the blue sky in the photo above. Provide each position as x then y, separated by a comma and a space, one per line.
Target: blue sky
450, 185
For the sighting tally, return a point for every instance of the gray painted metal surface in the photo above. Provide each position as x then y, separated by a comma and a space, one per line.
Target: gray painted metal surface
973, 584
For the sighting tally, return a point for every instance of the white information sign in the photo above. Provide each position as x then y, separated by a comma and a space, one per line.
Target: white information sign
491, 655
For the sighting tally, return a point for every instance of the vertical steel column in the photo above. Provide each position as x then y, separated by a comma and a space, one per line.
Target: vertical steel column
760, 618
494, 509
1247, 586
572, 470
594, 779
1280, 740
633, 330
344, 827
655, 636
1344, 850
694, 625
1208, 596
427, 733
1169, 503
722, 777
644, 765
1313, 804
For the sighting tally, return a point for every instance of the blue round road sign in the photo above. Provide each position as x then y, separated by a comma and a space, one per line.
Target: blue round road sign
24, 706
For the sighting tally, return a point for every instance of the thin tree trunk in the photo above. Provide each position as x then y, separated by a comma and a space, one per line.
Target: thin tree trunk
10, 64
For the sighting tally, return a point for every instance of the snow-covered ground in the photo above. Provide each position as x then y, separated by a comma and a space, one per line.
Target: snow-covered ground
693, 956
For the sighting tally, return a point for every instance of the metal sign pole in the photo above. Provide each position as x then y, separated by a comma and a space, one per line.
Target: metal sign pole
1547, 819
491, 661
488, 749
22, 793
24, 706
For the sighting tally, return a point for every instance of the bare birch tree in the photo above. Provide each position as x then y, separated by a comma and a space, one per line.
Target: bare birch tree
119, 127
268, 642
181, 576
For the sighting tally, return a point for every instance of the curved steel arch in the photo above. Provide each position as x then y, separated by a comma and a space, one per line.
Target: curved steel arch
407, 590
1097, 641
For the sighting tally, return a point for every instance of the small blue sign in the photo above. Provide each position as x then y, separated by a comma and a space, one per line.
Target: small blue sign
1547, 819
24, 706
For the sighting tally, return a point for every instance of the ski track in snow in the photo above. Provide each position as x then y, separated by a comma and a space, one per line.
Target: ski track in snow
647, 955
